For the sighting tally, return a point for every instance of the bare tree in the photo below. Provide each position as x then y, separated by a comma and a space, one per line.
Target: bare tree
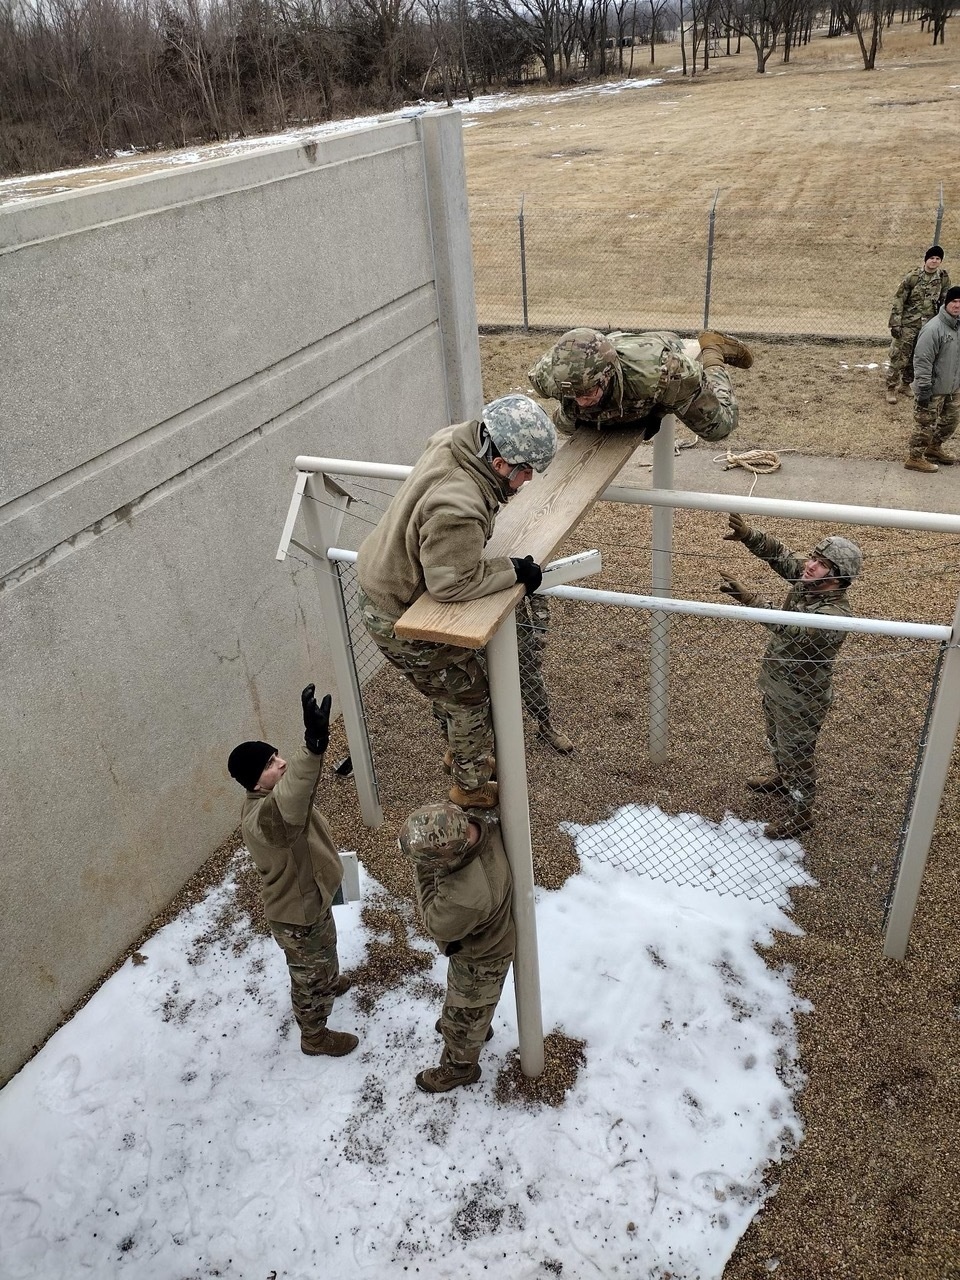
761, 21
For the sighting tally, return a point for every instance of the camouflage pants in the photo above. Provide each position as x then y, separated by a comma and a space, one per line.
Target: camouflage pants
934, 424
793, 727
713, 412
901, 358
473, 993
311, 954
456, 684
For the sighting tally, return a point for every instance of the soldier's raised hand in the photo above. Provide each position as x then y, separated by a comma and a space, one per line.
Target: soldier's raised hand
739, 529
731, 587
896, 331
316, 720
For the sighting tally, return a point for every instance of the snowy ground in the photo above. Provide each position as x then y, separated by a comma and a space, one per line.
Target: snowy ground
173, 1130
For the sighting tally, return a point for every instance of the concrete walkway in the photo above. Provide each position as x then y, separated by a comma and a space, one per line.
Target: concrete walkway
806, 478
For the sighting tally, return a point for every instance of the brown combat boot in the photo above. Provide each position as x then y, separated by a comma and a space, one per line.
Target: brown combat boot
343, 985
449, 1075
891, 395
765, 782
437, 1027
483, 797
328, 1044
937, 453
794, 824
919, 464
555, 738
721, 348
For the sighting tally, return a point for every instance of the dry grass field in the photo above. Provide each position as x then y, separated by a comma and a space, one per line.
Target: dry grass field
856, 158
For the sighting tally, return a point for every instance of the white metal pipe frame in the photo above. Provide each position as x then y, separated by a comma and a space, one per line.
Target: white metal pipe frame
504, 674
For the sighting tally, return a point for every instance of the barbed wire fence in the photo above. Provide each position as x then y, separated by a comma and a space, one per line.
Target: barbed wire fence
820, 274
693, 821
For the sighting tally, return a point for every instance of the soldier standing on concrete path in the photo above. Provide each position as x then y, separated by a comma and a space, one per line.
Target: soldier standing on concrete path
431, 539
796, 675
936, 410
632, 380
922, 292
465, 892
300, 871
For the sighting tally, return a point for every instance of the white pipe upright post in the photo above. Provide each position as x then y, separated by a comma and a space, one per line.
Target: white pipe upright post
661, 585
503, 666
941, 736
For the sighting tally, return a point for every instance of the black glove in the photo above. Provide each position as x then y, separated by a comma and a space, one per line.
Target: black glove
923, 400
316, 720
740, 531
452, 948
651, 424
896, 331
528, 572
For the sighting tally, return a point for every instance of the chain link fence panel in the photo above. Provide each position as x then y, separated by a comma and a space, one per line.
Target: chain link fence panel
790, 272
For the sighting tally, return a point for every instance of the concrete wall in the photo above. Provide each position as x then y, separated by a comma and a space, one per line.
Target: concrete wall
169, 344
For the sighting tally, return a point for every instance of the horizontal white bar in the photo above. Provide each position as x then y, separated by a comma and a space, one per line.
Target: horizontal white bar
570, 569
346, 467
705, 609
830, 512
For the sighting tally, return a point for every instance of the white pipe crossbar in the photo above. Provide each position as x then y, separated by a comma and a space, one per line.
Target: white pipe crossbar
706, 609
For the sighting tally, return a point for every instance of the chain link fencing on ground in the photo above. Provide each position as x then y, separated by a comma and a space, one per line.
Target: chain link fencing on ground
792, 272
693, 820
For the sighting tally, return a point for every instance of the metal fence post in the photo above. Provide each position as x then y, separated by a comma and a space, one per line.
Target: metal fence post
936, 234
661, 572
523, 268
710, 238
941, 737
504, 672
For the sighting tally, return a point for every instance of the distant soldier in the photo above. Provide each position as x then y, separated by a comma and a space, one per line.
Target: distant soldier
465, 892
300, 871
796, 676
922, 292
936, 386
431, 539
632, 380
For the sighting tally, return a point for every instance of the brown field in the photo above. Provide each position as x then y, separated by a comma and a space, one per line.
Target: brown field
846, 165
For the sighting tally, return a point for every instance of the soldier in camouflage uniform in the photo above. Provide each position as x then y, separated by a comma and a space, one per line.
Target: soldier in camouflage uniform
632, 380
300, 871
465, 891
920, 296
431, 539
796, 677
936, 410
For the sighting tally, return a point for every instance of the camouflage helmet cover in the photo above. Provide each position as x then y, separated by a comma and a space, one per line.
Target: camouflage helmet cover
521, 430
582, 360
845, 556
434, 833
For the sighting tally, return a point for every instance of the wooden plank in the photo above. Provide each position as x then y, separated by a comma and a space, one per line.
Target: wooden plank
535, 522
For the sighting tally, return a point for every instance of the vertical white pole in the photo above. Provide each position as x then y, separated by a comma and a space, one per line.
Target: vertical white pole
503, 667
941, 736
661, 585
322, 520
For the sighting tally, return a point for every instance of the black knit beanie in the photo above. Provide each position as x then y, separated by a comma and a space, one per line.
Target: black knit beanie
952, 294
248, 761
934, 252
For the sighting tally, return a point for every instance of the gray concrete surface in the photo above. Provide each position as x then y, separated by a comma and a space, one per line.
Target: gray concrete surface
807, 478
170, 344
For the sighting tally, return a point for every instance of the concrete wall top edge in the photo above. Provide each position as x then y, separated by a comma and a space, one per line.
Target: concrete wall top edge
65, 213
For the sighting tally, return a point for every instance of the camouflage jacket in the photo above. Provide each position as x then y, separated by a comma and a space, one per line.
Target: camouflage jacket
432, 535
291, 846
655, 376
467, 911
798, 660
936, 359
919, 297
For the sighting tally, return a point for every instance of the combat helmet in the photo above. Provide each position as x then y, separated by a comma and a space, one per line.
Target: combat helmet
522, 432
845, 556
582, 360
435, 833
